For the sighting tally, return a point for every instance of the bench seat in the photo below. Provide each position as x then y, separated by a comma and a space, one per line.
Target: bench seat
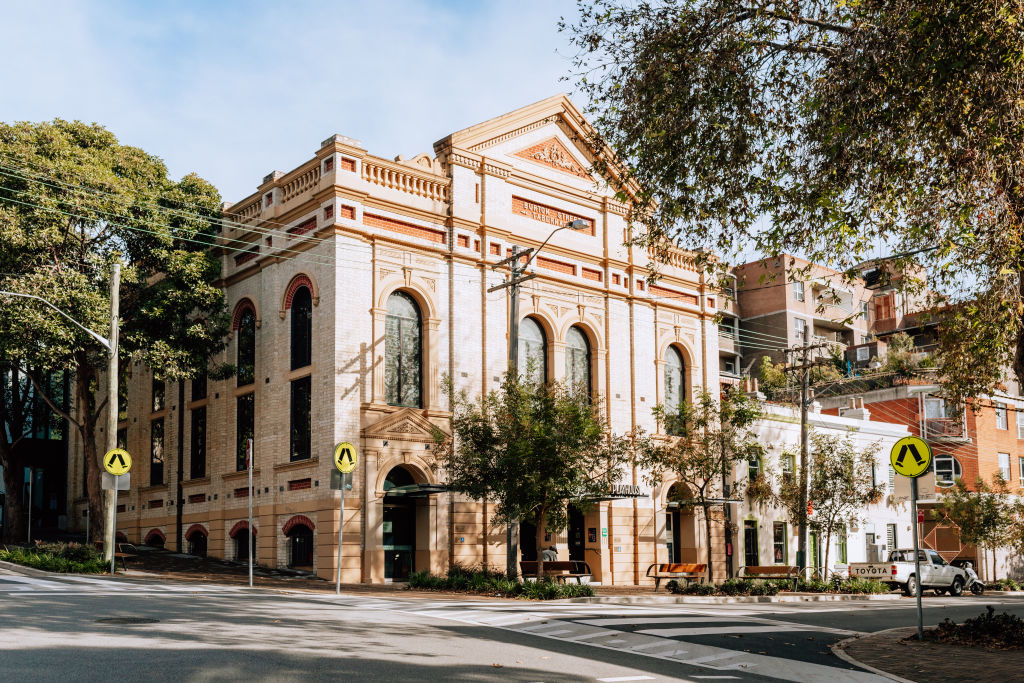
558, 570
771, 572
676, 571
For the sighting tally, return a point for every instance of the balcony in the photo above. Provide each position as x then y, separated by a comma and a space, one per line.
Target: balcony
945, 429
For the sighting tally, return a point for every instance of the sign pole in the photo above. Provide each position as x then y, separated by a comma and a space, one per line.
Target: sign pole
341, 530
917, 558
252, 536
117, 462
911, 457
113, 524
345, 458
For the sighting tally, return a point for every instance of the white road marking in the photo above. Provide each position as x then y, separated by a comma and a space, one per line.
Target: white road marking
627, 678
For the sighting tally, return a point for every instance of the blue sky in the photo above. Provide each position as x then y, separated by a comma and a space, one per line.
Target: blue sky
234, 90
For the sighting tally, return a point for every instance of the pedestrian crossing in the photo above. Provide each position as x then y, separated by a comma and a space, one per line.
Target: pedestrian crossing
11, 583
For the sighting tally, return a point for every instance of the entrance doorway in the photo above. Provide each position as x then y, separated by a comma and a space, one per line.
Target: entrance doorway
577, 544
681, 541
527, 542
300, 547
399, 528
751, 556
242, 540
197, 544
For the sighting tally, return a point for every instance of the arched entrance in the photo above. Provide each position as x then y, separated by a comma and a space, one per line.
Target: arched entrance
300, 547
197, 541
681, 539
243, 538
399, 528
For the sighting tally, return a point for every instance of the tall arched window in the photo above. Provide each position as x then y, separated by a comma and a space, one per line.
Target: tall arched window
247, 347
403, 371
675, 385
533, 351
302, 328
577, 360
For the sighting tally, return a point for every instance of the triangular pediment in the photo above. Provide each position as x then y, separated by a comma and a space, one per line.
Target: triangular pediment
408, 424
553, 154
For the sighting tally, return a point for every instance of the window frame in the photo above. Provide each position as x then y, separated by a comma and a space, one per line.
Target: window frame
1001, 421
674, 370
245, 342
799, 291
244, 431
954, 466
300, 435
780, 541
157, 457
396, 359
301, 328
524, 352
570, 359
1005, 472
197, 443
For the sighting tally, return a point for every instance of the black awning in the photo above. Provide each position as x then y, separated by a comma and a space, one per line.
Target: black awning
415, 491
695, 503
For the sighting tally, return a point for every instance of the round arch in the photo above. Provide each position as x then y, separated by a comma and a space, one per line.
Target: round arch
423, 299
157, 535
589, 331
196, 529
120, 537
244, 304
296, 521
298, 281
416, 468
241, 526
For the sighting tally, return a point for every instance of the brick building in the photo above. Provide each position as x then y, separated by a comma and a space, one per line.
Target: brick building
357, 284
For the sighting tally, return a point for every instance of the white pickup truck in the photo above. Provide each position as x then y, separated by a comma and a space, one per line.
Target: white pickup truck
898, 572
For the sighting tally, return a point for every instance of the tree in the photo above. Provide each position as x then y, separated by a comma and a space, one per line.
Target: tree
983, 516
72, 200
709, 435
823, 129
533, 449
839, 487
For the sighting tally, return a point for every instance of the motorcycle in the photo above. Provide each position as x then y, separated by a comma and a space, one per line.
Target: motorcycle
974, 584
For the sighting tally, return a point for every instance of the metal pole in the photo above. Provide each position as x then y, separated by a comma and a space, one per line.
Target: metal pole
341, 529
31, 479
917, 559
179, 513
252, 536
801, 554
512, 530
112, 402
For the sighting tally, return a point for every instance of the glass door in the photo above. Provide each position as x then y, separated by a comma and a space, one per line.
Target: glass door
399, 540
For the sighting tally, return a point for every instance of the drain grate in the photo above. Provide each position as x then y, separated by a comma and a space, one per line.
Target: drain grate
127, 620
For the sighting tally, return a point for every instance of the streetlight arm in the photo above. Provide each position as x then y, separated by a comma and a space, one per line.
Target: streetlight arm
577, 224
101, 340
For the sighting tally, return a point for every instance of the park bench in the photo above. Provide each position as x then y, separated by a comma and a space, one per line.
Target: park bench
771, 572
676, 571
558, 570
123, 552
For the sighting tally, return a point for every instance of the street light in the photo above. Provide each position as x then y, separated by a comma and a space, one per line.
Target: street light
110, 344
517, 276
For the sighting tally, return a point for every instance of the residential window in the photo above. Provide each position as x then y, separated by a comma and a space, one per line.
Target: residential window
948, 470
788, 466
1001, 416
863, 354
299, 441
199, 387
864, 309
884, 307
675, 385
892, 479
841, 547
753, 468
750, 554
1004, 466
247, 347
1020, 470
779, 546
533, 351
577, 360
890, 536
197, 467
403, 352
800, 327
302, 328
156, 452
798, 291
1020, 423
159, 389
245, 427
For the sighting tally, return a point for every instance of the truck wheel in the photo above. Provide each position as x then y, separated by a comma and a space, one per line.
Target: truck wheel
911, 586
957, 589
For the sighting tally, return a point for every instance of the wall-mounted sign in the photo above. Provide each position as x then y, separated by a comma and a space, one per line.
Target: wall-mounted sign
627, 491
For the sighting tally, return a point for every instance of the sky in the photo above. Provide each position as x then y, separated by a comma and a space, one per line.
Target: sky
232, 90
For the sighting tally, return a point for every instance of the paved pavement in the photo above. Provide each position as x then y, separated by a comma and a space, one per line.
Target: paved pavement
49, 631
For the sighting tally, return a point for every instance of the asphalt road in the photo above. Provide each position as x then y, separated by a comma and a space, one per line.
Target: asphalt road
54, 630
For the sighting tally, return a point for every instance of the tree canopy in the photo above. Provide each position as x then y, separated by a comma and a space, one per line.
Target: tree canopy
828, 129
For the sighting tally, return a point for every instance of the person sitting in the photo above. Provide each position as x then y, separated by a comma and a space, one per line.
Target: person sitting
549, 554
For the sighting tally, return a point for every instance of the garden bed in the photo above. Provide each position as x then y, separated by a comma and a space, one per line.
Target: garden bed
775, 586
65, 558
989, 630
496, 584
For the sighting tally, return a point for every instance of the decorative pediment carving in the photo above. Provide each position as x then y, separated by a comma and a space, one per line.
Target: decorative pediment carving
554, 154
407, 424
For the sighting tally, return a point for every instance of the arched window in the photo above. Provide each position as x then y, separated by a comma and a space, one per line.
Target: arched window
675, 386
247, 347
302, 328
577, 361
403, 371
533, 351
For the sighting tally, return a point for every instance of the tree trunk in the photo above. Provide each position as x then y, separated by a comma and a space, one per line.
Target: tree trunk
828, 549
707, 535
542, 518
14, 513
98, 510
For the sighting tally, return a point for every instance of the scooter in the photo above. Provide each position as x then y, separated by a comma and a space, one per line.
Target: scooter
974, 584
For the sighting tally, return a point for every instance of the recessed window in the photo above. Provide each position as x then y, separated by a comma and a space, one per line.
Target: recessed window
799, 328
533, 351
328, 164
947, 471
302, 328
197, 468
1004, 466
299, 431
159, 390
245, 427
675, 386
268, 199
577, 361
798, 291
753, 468
247, 347
1001, 416
156, 452
199, 387
779, 546
403, 381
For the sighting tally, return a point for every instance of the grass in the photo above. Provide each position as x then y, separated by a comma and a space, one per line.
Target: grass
64, 558
484, 581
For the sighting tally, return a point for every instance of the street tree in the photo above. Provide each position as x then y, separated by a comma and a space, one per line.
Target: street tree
840, 485
704, 439
72, 201
826, 129
533, 449
983, 516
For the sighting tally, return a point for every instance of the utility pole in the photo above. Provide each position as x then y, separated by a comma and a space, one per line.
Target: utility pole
112, 404
181, 464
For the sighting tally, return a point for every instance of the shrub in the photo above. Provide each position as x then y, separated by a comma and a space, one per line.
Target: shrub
66, 558
730, 587
764, 588
988, 630
865, 586
812, 586
485, 581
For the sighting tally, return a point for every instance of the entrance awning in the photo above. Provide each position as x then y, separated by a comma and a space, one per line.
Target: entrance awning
415, 491
713, 501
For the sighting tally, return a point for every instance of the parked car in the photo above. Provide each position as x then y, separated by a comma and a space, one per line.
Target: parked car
898, 572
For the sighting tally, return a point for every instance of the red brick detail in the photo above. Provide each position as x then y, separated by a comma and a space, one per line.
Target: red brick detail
247, 256
197, 498
304, 227
495, 249
557, 266
476, 245
616, 279
328, 212
300, 280
300, 484
119, 536
240, 308
347, 211
463, 241
242, 492
552, 152
296, 521
678, 297
121, 507
241, 526
347, 164
640, 284
194, 529
329, 164
156, 503
154, 533
590, 274
547, 214
408, 229
711, 302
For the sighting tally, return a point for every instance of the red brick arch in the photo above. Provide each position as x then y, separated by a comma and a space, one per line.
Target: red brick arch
239, 527
242, 306
300, 280
194, 528
295, 521
120, 537
155, 532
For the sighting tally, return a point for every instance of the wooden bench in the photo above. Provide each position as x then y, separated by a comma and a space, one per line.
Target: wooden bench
558, 570
771, 572
676, 571
124, 552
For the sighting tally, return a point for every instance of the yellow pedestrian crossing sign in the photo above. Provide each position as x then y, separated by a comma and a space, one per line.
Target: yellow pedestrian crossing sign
911, 456
117, 461
345, 457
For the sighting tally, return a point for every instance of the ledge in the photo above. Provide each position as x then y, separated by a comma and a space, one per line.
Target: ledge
244, 474
297, 465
